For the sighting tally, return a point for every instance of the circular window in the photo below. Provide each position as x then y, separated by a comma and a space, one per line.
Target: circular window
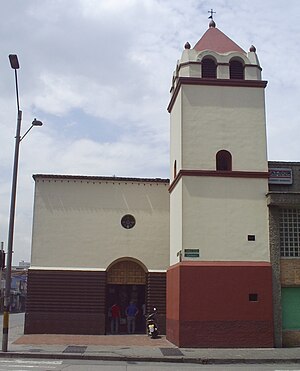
128, 221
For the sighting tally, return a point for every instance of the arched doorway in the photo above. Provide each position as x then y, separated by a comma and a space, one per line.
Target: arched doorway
126, 282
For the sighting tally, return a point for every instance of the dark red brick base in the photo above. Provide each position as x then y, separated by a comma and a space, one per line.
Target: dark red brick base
74, 302
208, 304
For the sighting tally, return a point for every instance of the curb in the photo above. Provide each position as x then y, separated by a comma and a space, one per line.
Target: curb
225, 361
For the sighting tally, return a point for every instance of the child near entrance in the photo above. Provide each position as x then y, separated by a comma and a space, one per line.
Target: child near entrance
131, 312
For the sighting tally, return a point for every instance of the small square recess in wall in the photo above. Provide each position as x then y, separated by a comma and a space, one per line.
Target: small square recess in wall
253, 297
251, 237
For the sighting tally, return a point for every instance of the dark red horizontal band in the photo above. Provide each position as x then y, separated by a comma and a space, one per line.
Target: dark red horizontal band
218, 173
213, 82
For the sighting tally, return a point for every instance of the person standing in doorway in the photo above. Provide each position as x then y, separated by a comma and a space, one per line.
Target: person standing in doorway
115, 318
131, 312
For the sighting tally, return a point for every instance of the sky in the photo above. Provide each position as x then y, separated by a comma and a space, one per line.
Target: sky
97, 73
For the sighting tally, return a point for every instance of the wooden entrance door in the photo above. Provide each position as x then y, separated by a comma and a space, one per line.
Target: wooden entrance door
126, 281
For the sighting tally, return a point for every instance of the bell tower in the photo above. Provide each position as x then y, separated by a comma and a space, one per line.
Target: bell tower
219, 289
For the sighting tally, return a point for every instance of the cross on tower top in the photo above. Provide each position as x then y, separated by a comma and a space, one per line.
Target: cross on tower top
211, 11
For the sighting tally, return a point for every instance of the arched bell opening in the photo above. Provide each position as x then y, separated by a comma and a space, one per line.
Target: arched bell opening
209, 67
236, 69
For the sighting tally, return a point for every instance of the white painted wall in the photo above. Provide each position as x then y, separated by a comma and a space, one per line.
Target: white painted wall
76, 223
223, 117
175, 223
218, 215
190, 64
176, 137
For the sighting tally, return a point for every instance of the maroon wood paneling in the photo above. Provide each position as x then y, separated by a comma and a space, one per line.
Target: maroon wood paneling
64, 323
156, 297
212, 307
65, 302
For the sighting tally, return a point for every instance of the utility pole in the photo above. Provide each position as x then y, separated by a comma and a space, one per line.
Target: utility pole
15, 66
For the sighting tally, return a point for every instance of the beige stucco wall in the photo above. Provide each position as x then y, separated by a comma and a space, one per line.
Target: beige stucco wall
175, 223
175, 137
189, 64
218, 215
76, 223
223, 117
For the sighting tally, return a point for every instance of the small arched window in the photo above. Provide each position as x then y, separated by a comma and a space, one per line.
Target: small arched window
236, 70
224, 160
209, 68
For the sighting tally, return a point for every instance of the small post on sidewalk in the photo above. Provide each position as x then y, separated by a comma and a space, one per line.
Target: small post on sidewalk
1, 274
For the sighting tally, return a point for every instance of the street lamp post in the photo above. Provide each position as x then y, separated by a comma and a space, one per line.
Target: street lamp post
14, 65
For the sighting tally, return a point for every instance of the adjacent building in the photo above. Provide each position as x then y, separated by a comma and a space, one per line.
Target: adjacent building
283, 201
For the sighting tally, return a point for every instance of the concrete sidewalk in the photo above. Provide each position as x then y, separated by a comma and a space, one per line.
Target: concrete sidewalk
131, 348
137, 348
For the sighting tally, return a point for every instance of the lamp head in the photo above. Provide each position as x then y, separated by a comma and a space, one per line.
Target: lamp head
36, 122
13, 58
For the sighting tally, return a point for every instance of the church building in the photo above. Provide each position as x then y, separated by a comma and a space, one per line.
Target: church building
210, 248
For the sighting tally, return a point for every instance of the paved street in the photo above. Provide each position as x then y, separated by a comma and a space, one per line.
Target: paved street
28, 364
131, 353
93, 365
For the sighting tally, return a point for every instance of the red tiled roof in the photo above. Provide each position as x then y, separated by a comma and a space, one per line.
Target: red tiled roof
217, 41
